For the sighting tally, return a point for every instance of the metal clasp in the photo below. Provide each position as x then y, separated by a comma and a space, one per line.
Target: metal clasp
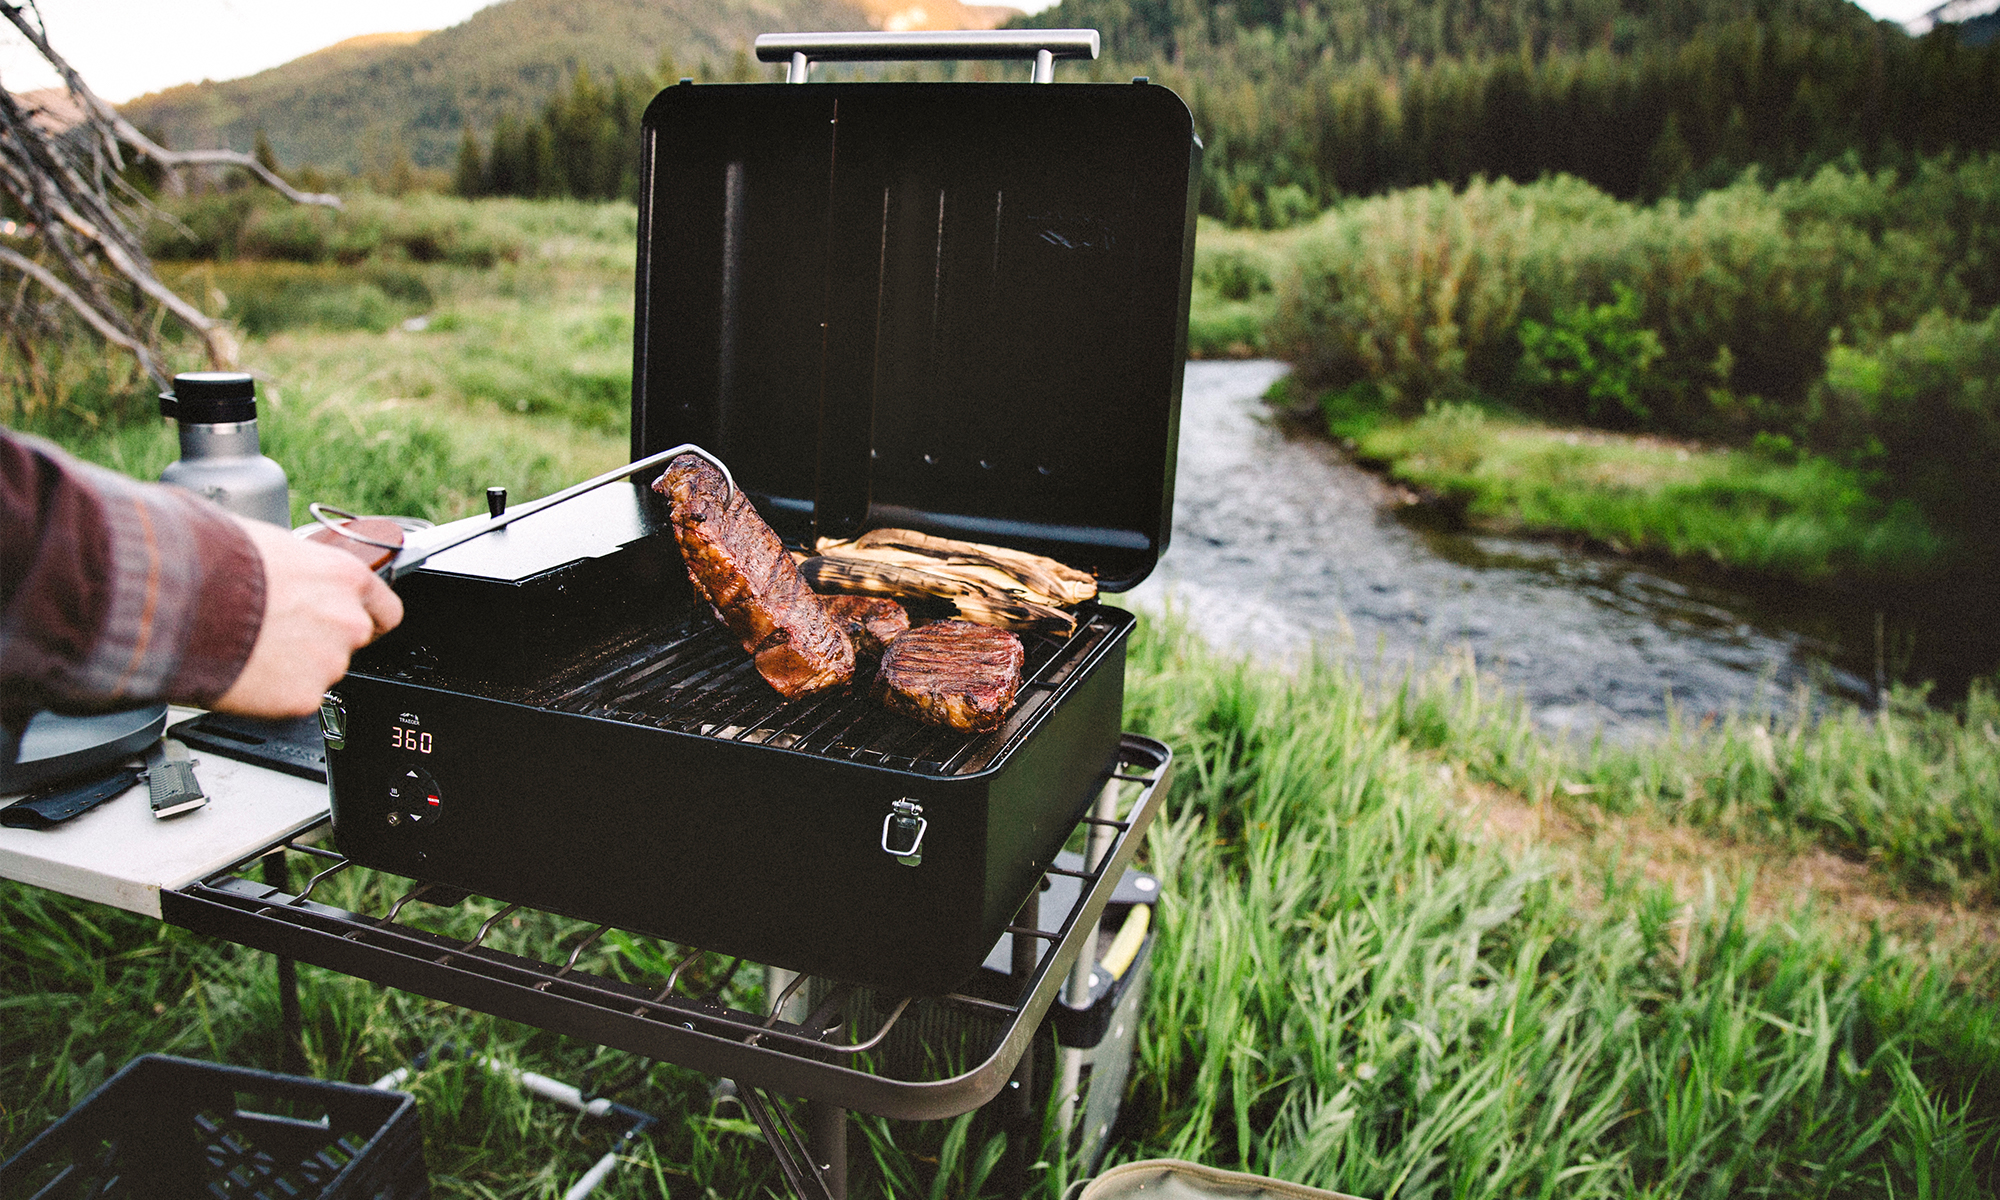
903, 832
333, 721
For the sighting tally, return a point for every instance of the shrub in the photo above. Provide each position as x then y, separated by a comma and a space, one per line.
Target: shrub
1226, 329
266, 298
1924, 409
1232, 274
1418, 292
1591, 362
431, 229
424, 229
205, 227
1422, 292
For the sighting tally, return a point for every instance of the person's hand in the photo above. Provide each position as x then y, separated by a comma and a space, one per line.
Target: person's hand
320, 606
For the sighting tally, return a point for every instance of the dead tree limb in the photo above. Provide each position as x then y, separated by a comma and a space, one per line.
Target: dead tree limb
123, 339
114, 129
66, 183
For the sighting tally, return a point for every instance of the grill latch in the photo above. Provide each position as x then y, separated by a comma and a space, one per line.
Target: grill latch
333, 721
903, 832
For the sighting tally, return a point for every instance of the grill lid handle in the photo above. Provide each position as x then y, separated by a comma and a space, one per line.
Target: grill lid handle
1044, 46
405, 556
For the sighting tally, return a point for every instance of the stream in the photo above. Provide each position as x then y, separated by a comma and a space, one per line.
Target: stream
1281, 547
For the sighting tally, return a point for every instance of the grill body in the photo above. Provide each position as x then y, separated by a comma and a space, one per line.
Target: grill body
646, 778
955, 308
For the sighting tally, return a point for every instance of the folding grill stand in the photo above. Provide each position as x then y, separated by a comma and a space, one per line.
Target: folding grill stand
762, 1052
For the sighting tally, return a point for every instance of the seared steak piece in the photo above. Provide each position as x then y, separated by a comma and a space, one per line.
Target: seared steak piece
739, 566
957, 674
873, 622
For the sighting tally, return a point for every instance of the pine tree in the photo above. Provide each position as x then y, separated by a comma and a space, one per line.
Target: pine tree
506, 173
265, 156
469, 178
540, 174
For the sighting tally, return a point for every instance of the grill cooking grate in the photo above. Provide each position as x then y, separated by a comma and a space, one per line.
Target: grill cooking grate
697, 680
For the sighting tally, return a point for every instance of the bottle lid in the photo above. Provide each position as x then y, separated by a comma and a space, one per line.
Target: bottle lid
211, 397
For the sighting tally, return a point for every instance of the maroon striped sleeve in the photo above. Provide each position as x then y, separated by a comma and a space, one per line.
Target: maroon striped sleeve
114, 592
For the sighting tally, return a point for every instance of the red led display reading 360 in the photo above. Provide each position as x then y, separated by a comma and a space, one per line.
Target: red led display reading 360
409, 739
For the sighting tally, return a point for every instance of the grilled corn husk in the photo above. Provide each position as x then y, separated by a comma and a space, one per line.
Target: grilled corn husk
989, 584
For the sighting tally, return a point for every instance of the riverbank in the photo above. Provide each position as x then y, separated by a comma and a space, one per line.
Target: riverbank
1796, 517
1790, 381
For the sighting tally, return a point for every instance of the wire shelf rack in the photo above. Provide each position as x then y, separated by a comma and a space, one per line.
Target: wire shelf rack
906, 1057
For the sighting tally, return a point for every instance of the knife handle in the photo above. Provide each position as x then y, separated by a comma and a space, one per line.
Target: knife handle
373, 540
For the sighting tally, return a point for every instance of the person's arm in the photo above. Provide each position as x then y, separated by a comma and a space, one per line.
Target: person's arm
320, 605
115, 593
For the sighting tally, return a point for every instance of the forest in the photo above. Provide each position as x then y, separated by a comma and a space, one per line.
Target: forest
1299, 106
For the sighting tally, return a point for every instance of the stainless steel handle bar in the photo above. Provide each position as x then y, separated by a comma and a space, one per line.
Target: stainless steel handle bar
1044, 46
408, 557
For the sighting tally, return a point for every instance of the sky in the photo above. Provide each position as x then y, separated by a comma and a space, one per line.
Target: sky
126, 48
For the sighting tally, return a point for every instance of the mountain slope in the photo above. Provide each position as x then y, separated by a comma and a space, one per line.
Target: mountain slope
1393, 31
351, 106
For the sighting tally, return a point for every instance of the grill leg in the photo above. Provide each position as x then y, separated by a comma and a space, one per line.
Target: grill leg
826, 1125
826, 1141
1016, 1102
1077, 992
275, 875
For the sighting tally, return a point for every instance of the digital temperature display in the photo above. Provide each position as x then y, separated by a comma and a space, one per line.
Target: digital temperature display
401, 738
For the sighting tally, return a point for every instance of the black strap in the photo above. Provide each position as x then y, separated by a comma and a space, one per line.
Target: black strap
53, 805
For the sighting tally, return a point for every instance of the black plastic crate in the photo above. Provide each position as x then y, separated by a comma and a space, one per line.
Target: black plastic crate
165, 1128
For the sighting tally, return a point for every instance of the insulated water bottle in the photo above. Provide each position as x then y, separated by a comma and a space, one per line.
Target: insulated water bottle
217, 412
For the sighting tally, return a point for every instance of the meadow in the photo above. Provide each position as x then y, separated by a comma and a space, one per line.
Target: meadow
1408, 945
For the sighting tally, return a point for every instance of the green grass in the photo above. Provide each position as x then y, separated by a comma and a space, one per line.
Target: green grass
1350, 990
1911, 789
1355, 994
1804, 518
521, 376
1235, 298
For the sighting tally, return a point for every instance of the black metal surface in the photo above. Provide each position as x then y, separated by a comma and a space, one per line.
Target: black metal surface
292, 746
647, 777
718, 838
796, 1157
54, 748
851, 1064
955, 308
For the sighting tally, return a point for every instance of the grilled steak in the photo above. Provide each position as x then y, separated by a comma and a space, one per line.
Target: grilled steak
739, 566
871, 621
956, 674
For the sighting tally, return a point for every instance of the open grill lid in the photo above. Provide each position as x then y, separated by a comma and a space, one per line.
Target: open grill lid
958, 308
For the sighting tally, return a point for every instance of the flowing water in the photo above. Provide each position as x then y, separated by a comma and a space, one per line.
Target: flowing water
1281, 547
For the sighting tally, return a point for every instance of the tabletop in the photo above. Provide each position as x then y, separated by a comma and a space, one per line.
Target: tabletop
120, 854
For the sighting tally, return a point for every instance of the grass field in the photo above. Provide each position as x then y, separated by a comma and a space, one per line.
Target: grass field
1407, 947
1806, 519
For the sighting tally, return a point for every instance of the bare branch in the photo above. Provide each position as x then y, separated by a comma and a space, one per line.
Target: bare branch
119, 130
96, 320
68, 187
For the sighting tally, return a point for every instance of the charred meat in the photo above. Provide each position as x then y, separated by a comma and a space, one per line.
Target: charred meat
956, 674
871, 621
738, 565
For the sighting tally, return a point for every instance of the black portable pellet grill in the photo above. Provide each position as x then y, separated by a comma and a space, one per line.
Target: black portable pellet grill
957, 308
